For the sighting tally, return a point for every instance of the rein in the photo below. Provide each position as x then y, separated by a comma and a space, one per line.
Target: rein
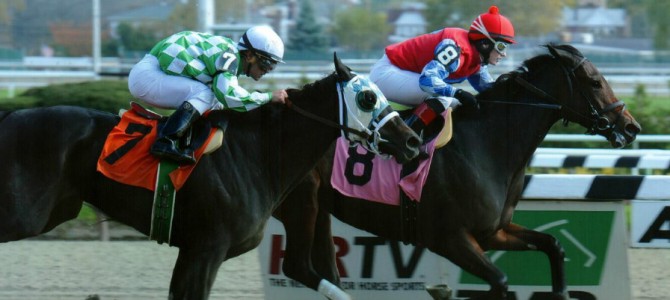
535, 90
600, 122
325, 121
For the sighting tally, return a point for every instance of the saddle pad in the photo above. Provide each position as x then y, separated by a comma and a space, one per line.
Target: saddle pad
360, 174
125, 156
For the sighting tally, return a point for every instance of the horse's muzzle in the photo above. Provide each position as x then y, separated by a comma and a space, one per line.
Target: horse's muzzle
627, 136
412, 145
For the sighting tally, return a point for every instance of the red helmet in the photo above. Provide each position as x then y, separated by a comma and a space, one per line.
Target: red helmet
492, 25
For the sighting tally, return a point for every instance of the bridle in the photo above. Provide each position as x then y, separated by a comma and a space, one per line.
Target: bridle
369, 133
600, 123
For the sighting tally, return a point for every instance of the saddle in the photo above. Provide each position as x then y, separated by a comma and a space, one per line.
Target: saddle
125, 156
388, 182
440, 128
360, 174
198, 132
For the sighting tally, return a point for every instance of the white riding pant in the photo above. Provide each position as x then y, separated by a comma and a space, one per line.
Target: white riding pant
402, 86
150, 84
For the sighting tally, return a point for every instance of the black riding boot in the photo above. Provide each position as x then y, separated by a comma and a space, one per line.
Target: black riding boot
167, 145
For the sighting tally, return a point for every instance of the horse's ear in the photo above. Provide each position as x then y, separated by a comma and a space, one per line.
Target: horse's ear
553, 51
343, 71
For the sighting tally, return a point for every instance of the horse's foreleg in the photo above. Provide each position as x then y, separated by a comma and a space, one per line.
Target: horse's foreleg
323, 251
516, 238
301, 218
465, 252
324, 260
195, 272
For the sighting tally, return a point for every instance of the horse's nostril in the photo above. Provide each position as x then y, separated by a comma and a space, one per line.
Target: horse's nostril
414, 142
632, 129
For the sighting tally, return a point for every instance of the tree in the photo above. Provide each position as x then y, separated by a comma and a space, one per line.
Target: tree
660, 23
530, 18
7, 7
237, 11
184, 17
142, 37
136, 39
307, 36
72, 39
649, 19
361, 30
637, 11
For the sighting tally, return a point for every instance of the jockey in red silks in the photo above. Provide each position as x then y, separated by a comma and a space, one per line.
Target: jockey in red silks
425, 67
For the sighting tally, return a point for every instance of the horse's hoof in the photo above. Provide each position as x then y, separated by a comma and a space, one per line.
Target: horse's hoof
439, 291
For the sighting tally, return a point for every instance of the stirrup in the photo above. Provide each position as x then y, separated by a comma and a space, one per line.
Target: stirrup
168, 150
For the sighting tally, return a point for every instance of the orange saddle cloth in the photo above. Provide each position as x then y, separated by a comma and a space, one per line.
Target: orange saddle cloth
125, 156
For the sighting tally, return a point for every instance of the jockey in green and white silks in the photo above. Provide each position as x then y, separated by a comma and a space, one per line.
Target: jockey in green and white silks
196, 72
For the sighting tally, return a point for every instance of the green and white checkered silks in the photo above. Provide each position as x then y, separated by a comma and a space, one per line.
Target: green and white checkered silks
208, 59
236, 97
196, 55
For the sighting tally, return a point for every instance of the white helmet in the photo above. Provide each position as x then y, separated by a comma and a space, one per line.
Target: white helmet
263, 41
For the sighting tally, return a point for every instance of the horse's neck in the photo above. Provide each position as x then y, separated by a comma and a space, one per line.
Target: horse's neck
304, 143
264, 162
508, 132
287, 145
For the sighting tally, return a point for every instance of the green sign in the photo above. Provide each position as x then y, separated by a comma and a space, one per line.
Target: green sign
584, 236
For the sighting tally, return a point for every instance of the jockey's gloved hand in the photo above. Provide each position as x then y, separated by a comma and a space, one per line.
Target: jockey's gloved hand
467, 99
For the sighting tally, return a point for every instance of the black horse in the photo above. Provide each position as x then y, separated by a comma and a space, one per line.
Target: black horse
48, 158
475, 182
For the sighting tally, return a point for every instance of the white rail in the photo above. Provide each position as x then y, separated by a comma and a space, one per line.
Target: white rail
634, 158
601, 158
40, 70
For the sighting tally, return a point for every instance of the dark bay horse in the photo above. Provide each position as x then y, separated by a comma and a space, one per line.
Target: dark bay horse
475, 181
48, 158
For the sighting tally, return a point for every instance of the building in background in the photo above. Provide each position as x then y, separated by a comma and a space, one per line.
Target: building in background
407, 21
583, 24
151, 13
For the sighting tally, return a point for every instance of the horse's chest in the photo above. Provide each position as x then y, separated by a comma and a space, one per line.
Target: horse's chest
484, 215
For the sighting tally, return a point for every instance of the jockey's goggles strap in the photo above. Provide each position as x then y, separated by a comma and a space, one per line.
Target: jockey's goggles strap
264, 63
500, 47
266, 60
247, 43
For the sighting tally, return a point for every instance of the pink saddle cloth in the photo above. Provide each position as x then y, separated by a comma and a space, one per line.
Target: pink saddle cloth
360, 174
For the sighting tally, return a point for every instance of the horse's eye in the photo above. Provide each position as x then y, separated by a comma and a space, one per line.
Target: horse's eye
366, 100
596, 84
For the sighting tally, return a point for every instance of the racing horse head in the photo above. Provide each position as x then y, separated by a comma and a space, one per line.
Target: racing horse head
590, 101
365, 116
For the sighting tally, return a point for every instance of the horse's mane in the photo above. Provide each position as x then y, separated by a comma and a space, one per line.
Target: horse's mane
568, 48
265, 113
504, 85
3, 114
314, 89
